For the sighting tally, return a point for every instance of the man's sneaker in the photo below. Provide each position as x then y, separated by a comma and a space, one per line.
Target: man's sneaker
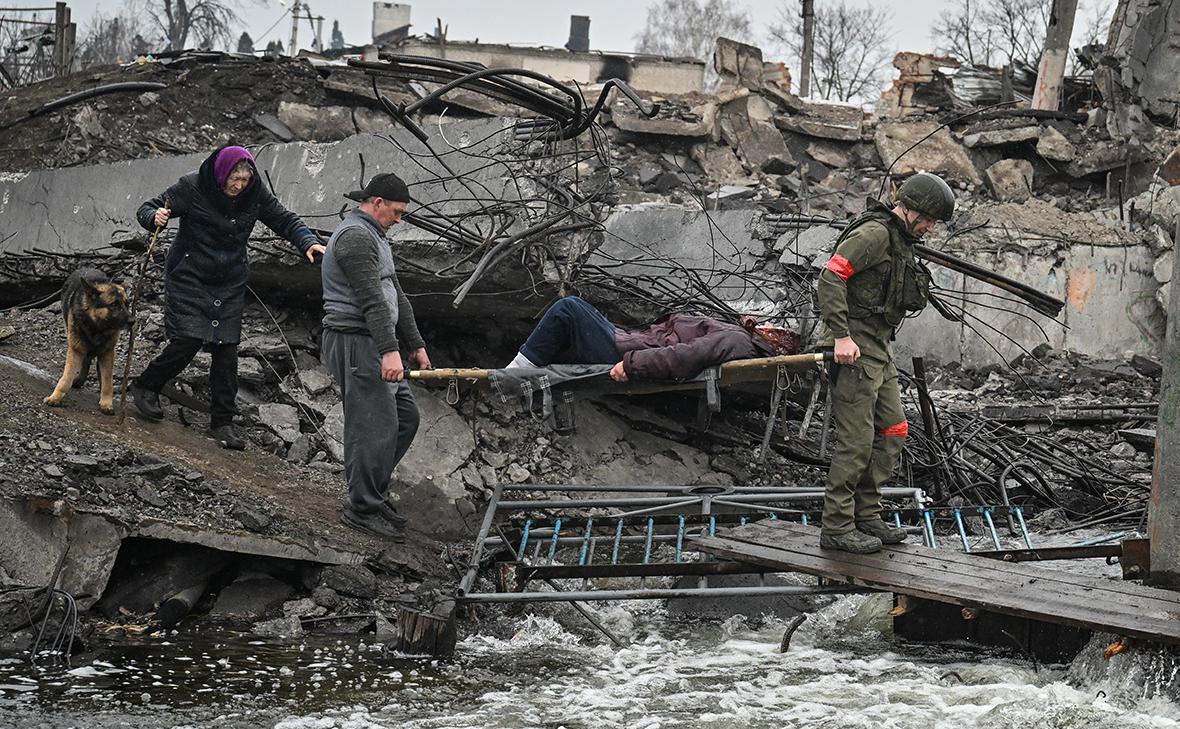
147, 403
373, 523
853, 541
879, 529
228, 437
393, 515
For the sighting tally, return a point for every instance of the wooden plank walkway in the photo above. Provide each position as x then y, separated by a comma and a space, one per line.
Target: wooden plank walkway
1021, 589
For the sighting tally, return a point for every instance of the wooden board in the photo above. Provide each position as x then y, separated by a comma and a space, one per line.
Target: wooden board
1021, 589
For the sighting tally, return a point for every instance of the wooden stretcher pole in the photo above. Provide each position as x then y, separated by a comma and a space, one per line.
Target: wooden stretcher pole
442, 374
738, 370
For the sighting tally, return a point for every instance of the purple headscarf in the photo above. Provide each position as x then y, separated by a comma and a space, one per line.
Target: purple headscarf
227, 159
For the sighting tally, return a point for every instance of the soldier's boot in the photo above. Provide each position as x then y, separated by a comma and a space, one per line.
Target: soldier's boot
853, 541
879, 529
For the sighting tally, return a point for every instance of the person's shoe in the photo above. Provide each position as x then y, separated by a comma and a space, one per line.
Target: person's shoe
393, 516
879, 529
228, 437
147, 403
853, 541
374, 523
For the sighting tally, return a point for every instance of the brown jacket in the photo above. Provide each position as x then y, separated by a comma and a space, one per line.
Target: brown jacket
679, 346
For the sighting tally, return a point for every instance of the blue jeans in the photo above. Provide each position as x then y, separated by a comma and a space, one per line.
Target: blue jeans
572, 332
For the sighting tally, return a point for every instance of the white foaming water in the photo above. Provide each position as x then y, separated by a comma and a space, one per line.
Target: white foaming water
731, 675
552, 670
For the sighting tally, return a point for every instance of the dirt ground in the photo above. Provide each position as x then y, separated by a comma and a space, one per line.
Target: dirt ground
135, 471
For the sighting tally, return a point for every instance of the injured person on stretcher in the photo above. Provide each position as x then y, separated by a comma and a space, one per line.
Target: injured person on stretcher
674, 347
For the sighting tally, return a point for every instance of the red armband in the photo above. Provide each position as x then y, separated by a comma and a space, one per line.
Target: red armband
840, 266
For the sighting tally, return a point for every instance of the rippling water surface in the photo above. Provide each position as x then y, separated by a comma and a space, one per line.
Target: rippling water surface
549, 672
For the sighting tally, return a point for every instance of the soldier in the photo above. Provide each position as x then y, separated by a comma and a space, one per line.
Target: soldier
870, 284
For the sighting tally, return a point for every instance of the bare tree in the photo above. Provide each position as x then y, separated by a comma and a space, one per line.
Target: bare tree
209, 22
851, 48
1022, 25
963, 33
107, 39
691, 27
994, 32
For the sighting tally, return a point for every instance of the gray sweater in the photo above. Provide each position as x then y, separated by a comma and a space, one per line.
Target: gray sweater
361, 292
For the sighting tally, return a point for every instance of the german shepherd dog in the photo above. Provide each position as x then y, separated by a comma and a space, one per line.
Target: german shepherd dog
95, 310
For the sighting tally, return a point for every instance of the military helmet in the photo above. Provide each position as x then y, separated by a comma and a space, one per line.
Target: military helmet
928, 194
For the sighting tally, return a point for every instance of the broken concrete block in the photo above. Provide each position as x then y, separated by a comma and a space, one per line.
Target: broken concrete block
251, 372
996, 137
801, 247
777, 166
1147, 366
253, 596
1054, 145
326, 597
1103, 156
371, 121
317, 123
842, 122
315, 381
939, 154
747, 124
720, 163
1169, 171
304, 607
1162, 295
738, 64
350, 579
271, 123
695, 122
832, 155
1011, 180
1162, 270
732, 192
280, 419
31, 543
1122, 449
301, 450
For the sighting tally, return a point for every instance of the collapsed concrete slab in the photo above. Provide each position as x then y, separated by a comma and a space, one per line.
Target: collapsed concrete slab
747, 124
718, 247
998, 137
1011, 180
940, 153
1053, 145
77, 210
1104, 284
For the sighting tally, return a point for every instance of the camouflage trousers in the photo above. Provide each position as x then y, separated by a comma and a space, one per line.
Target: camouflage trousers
871, 429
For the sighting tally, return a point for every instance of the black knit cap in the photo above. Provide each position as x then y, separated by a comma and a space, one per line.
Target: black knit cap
386, 185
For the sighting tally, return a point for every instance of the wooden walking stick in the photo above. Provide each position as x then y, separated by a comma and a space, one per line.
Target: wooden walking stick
136, 291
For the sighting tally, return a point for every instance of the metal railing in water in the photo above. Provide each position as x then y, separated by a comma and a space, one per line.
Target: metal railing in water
632, 534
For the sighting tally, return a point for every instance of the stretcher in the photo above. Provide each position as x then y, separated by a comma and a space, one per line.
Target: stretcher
710, 381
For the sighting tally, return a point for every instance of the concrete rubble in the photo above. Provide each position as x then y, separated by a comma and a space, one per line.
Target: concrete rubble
724, 203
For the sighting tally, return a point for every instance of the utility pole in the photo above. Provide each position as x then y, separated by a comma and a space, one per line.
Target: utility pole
1164, 508
1047, 93
808, 48
319, 33
293, 49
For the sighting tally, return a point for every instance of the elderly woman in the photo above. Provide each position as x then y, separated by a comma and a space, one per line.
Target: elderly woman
205, 276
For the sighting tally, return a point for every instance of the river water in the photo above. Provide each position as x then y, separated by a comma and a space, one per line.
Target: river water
548, 671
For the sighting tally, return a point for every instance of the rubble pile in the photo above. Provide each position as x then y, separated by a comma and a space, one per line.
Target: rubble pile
722, 204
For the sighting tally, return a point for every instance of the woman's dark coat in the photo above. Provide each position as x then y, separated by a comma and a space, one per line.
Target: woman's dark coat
205, 271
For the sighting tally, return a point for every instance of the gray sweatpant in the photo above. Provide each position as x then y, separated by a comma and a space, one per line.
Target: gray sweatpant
380, 418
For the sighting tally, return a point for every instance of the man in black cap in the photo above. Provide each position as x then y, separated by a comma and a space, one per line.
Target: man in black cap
365, 313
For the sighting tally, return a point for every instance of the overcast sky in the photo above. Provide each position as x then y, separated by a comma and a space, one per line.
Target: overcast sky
613, 23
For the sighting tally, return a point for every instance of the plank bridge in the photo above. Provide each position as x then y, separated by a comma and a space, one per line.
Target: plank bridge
973, 581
